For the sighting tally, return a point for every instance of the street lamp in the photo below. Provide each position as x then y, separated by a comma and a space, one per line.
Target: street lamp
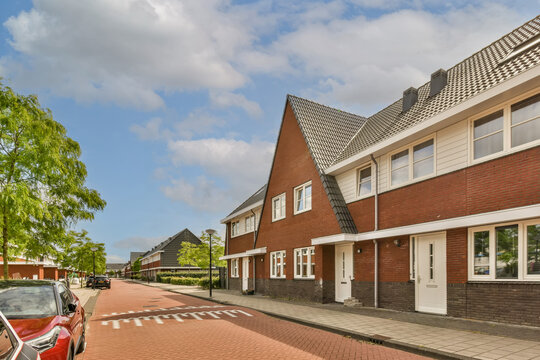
210, 232
94, 249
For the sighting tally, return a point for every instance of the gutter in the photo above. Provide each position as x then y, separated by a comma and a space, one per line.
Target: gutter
254, 242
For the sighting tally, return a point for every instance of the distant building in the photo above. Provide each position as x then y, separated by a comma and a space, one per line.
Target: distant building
164, 256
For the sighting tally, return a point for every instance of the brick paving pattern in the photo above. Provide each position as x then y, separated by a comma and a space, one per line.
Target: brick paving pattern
222, 337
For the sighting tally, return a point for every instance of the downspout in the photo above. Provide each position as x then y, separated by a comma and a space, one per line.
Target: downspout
254, 243
376, 244
227, 246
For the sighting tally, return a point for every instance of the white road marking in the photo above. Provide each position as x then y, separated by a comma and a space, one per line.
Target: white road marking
197, 315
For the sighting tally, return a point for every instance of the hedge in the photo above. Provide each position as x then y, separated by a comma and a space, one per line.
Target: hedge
188, 274
202, 282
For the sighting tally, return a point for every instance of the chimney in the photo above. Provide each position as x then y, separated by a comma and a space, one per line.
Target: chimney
439, 80
410, 96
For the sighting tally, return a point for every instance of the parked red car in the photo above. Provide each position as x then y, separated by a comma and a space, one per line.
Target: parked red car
11, 346
46, 315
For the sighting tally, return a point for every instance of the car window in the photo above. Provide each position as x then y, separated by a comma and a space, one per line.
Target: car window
6, 344
65, 297
39, 301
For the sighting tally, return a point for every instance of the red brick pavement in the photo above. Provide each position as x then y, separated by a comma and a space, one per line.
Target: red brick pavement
241, 337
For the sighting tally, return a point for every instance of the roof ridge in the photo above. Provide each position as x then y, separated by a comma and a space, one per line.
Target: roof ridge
326, 106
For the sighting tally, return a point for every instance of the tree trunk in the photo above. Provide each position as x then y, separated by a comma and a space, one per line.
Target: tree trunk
5, 246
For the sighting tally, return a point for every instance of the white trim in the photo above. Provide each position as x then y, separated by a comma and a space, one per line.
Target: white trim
235, 225
233, 256
241, 212
234, 269
303, 188
283, 199
150, 255
410, 162
514, 214
282, 255
372, 177
257, 251
449, 115
310, 252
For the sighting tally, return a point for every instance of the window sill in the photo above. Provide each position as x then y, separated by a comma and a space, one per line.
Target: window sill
274, 220
305, 278
278, 278
301, 211
510, 281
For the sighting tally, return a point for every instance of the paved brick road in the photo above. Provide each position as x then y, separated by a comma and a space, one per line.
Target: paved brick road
133, 321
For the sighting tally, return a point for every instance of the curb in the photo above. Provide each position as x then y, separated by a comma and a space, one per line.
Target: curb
374, 339
90, 305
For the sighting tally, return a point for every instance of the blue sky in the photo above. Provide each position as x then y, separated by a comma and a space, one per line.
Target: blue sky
177, 104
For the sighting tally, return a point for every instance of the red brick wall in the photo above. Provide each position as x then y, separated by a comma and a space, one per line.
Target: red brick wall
393, 260
499, 184
50, 273
240, 243
27, 271
294, 166
456, 255
151, 265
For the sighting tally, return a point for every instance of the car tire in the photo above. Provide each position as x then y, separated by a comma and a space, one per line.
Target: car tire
70, 353
82, 341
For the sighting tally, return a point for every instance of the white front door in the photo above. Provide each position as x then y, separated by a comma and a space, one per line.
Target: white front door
245, 273
431, 273
344, 271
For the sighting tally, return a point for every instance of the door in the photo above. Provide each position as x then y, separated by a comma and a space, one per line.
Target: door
245, 273
344, 271
431, 273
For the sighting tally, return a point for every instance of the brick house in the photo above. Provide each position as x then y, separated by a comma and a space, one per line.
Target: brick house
164, 256
127, 271
432, 204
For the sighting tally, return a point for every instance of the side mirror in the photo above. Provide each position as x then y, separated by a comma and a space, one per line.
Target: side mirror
72, 308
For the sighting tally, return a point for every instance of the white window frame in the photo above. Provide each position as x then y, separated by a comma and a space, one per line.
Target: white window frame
275, 254
310, 252
410, 148
522, 248
283, 207
506, 107
234, 268
235, 228
372, 180
303, 188
249, 220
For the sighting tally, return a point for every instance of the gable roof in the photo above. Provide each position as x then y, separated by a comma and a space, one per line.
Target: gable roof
252, 201
184, 235
479, 72
326, 132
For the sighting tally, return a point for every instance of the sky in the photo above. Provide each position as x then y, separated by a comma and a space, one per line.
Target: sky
177, 104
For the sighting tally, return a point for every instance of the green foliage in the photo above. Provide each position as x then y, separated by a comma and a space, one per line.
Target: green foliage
75, 252
184, 281
136, 276
42, 180
136, 267
193, 273
199, 255
205, 282
191, 281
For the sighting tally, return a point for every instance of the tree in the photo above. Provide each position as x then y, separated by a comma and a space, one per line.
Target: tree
42, 180
199, 255
136, 267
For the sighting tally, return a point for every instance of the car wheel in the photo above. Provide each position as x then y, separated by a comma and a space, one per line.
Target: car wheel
82, 341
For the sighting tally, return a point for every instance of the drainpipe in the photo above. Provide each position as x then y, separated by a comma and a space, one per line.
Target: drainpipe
254, 244
376, 244
227, 246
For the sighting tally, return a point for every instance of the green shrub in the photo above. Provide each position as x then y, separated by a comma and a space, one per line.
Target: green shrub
183, 281
136, 276
191, 274
166, 279
205, 283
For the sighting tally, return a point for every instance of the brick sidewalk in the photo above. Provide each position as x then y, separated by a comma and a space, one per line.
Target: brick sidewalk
459, 344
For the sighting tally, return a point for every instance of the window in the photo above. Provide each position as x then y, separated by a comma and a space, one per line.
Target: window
304, 263
234, 268
511, 127
364, 181
250, 223
235, 228
302, 198
405, 168
278, 207
488, 135
277, 264
526, 121
505, 252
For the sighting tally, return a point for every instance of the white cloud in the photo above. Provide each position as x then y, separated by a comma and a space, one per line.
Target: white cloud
139, 243
233, 170
150, 131
224, 99
198, 122
367, 62
125, 51
115, 259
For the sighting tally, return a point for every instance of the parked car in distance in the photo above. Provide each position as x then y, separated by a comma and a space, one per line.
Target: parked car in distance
89, 281
50, 318
103, 282
11, 346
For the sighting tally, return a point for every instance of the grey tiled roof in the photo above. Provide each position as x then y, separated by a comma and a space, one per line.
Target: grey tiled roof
134, 255
478, 73
327, 131
184, 235
253, 199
